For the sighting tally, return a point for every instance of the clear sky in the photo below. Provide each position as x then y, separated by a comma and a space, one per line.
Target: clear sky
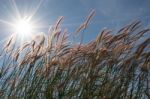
112, 14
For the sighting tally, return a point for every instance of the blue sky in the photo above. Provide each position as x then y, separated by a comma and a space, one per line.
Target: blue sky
112, 14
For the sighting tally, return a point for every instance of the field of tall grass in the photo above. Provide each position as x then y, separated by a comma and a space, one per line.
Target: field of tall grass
112, 66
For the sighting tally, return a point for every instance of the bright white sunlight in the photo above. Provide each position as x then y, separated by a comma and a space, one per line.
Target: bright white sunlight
23, 27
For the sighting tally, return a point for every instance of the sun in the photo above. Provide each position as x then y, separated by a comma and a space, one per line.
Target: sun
23, 27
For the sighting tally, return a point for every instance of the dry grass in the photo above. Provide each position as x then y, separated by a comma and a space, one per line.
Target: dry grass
113, 66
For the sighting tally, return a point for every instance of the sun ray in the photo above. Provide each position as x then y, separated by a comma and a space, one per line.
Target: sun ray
16, 9
36, 9
6, 22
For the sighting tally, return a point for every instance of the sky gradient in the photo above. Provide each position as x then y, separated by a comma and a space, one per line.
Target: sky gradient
111, 14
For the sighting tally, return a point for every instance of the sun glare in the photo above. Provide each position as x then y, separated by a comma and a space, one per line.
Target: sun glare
23, 27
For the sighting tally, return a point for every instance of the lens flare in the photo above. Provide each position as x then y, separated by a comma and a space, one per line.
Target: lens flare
23, 27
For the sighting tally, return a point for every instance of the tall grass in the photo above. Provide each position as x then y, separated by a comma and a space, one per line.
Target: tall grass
113, 66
